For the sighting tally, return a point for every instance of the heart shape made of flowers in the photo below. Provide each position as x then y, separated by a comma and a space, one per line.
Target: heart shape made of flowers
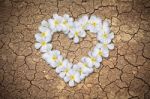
74, 73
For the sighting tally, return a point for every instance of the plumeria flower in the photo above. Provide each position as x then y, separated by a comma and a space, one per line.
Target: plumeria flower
104, 34
105, 46
42, 43
105, 26
105, 37
84, 21
99, 52
94, 24
59, 64
72, 77
94, 60
55, 24
67, 23
45, 34
86, 65
52, 57
76, 32
78, 68
66, 68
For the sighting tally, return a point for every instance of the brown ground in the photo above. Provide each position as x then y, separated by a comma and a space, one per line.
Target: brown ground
124, 75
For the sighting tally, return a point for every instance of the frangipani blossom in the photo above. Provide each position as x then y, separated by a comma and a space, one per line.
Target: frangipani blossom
76, 32
94, 60
45, 34
72, 77
78, 68
95, 24
59, 64
99, 52
42, 43
52, 57
55, 23
84, 22
67, 24
105, 27
66, 68
104, 35
86, 65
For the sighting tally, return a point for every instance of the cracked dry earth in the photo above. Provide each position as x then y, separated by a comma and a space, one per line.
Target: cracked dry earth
124, 75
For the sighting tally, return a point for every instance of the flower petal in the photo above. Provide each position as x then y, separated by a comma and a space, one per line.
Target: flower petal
82, 34
62, 74
66, 79
111, 46
44, 23
77, 77
97, 65
76, 39
43, 49
37, 45
38, 37
71, 35
71, 83
42, 29
58, 69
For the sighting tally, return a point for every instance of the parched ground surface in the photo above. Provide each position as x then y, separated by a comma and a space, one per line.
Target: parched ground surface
124, 75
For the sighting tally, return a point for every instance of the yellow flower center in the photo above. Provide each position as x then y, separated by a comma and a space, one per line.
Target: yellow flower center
43, 34
56, 22
100, 53
72, 77
85, 64
94, 24
76, 33
54, 57
80, 71
43, 43
105, 45
65, 22
59, 63
69, 26
66, 70
93, 59
105, 35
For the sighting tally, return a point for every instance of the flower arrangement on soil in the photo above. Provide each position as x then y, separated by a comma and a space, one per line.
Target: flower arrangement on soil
74, 73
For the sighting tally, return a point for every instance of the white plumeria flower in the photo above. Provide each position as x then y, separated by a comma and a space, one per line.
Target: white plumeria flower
78, 68
45, 34
99, 52
52, 57
86, 65
94, 60
105, 26
84, 21
59, 64
104, 34
55, 24
67, 23
94, 24
42, 43
105, 46
76, 32
66, 68
72, 77
105, 37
